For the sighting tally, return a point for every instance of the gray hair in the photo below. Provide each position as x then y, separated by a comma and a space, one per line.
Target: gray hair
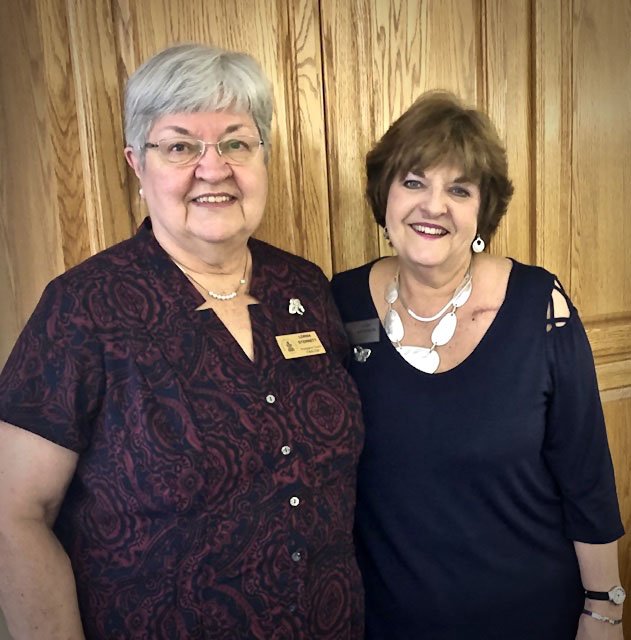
188, 78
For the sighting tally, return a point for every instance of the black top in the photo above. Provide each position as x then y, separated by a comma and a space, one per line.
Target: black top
474, 482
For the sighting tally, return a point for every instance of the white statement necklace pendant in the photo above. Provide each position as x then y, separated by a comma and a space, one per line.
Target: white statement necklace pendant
444, 331
425, 359
393, 326
421, 358
392, 290
463, 292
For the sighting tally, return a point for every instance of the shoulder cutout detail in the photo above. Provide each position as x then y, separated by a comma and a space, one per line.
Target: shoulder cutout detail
558, 308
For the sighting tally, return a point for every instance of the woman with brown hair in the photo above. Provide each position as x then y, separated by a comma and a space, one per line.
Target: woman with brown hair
486, 501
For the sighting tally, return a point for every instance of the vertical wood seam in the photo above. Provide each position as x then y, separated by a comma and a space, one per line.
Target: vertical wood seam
327, 140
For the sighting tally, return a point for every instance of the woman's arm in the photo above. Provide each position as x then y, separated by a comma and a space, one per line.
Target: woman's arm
37, 589
577, 453
599, 572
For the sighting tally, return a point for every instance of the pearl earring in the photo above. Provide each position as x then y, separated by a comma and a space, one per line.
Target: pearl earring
478, 244
141, 193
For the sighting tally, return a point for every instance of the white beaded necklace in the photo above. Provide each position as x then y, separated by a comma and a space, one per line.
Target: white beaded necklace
423, 358
213, 294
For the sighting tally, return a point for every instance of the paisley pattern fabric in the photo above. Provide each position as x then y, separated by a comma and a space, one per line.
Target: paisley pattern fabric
214, 496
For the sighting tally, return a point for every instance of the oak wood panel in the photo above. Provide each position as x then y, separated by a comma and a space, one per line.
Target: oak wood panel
601, 156
582, 168
378, 57
617, 408
552, 117
32, 190
506, 58
98, 95
347, 43
285, 38
300, 124
610, 335
614, 375
68, 195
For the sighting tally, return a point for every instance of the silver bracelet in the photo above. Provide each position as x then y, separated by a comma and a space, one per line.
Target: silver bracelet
600, 618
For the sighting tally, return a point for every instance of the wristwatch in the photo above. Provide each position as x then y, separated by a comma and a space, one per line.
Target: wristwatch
615, 594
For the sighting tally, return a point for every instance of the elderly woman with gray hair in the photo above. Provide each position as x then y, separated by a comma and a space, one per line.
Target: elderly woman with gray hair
179, 438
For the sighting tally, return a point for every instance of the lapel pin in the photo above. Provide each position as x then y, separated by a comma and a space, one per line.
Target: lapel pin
361, 354
295, 306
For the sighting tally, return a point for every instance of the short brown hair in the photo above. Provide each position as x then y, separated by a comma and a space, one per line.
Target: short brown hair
438, 129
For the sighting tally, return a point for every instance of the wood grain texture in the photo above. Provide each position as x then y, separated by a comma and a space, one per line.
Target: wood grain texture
614, 375
610, 336
347, 44
68, 196
350, 124
302, 151
506, 53
98, 95
617, 408
601, 156
285, 38
30, 239
552, 152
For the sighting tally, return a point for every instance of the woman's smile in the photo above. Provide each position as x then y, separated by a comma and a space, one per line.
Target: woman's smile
429, 230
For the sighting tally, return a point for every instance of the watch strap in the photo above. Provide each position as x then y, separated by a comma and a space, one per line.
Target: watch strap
616, 595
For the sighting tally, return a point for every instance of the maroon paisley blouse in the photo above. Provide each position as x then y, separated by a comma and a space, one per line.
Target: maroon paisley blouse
213, 496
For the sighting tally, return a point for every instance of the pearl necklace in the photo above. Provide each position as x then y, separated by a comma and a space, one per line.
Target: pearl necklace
213, 294
425, 359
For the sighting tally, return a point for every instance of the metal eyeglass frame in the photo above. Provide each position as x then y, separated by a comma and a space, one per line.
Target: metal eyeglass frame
202, 153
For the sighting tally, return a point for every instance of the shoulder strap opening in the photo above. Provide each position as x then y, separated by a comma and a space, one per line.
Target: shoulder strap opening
558, 308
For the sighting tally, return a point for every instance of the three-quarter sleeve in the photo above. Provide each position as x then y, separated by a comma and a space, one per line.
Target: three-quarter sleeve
576, 447
51, 384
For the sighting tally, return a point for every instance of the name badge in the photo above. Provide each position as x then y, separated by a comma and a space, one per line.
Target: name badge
363, 331
299, 345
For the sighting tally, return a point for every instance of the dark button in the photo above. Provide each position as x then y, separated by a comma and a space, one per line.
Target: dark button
292, 608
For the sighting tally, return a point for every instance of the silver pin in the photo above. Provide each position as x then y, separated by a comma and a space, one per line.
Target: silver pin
295, 306
361, 353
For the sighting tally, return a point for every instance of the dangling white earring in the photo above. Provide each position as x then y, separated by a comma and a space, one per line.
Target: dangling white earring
478, 244
141, 193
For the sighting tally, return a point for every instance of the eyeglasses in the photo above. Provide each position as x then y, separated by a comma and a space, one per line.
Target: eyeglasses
184, 150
